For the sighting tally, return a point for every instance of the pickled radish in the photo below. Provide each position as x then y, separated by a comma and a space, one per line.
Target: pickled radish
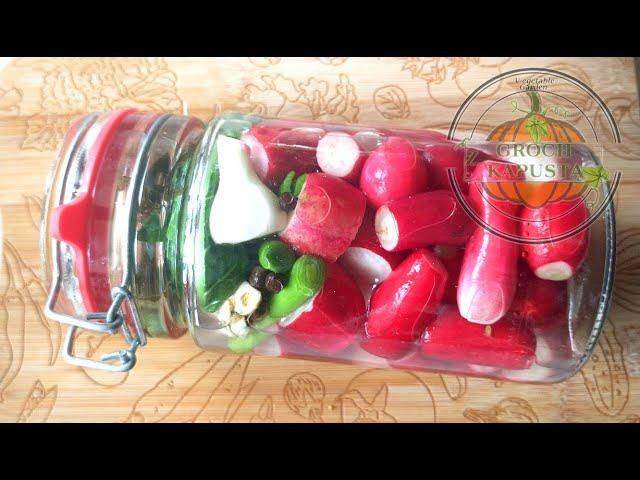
424, 219
340, 155
555, 260
334, 318
275, 151
451, 258
451, 337
541, 304
326, 218
393, 170
366, 260
403, 304
440, 158
489, 272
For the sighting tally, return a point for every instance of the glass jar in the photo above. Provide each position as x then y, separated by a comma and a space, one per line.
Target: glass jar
319, 241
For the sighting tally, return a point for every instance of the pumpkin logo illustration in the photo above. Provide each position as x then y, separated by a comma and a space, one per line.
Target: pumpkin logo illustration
537, 155
536, 127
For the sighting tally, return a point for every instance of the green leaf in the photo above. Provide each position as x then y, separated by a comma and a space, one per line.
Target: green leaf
226, 267
594, 175
537, 128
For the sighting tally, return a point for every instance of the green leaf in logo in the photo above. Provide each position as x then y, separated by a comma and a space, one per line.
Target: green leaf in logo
594, 175
537, 128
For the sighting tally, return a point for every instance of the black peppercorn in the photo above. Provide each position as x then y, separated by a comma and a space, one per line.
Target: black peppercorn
287, 201
273, 283
257, 277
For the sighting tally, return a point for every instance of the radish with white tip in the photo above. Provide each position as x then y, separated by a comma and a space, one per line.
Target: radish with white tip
366, 260
489, 272
556, 260
276, 151
340, 155
421, 220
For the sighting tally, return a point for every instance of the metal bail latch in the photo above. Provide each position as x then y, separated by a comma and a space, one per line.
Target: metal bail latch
112, 321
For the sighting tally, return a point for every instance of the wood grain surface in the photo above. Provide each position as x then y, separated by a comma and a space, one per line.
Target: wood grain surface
174, 380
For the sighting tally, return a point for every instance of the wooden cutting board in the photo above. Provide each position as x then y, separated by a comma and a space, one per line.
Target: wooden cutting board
174, 380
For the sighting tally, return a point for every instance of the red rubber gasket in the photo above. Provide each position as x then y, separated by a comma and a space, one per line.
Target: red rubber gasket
83, 222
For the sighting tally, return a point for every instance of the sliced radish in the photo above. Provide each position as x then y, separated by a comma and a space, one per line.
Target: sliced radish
555, 260
366, 260
393, 170
336, 315
275, 151
340, 155
326, 218
423, 219
503, 344
403, 304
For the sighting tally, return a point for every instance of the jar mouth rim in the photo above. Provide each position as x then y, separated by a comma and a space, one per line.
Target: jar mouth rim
69, 151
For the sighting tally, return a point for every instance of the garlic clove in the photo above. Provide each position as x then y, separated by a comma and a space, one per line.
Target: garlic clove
246, 299
223, 314
238, 325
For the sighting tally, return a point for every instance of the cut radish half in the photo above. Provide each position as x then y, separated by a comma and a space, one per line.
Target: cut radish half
366, 260
340, 155
327, 217
421, 220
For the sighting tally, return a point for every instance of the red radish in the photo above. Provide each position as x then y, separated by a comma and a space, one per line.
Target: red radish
335, 316
541, 304
259, 140
393, 170
421, 220
403, 304
503, 344
366, 260
555, 260
489, 272
440, 157
451, 258
275, 151
340, 155
326, 218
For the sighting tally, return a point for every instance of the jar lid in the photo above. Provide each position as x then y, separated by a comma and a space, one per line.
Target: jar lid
91, 215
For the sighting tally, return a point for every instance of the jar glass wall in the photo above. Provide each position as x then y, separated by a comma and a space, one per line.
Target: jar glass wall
325, 242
